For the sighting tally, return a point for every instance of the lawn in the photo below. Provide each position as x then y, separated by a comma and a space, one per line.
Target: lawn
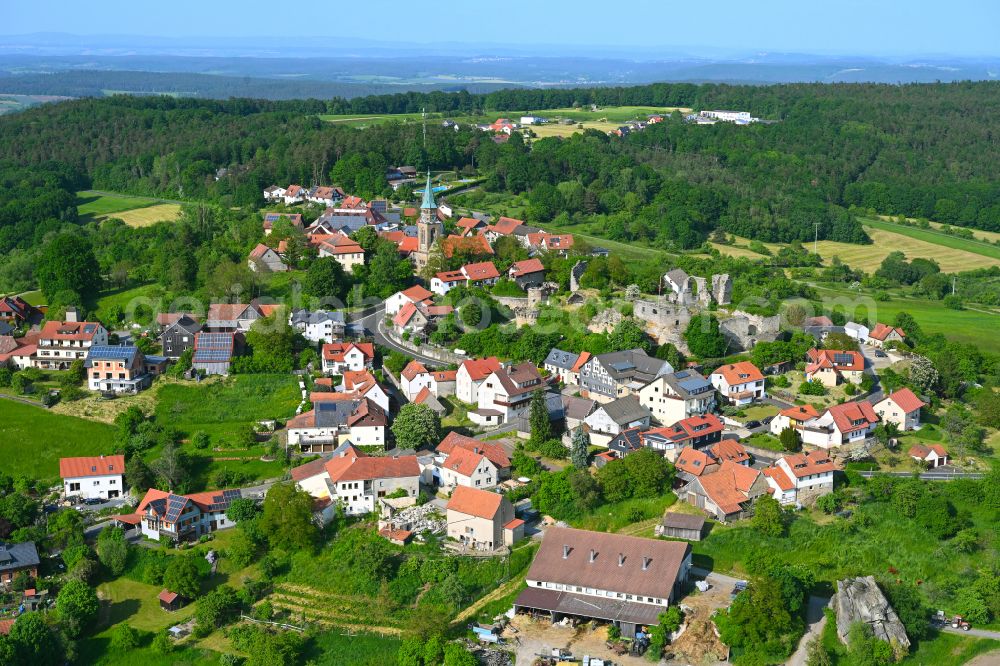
128, 299
143, 217
33, 439
615, 516
227, 402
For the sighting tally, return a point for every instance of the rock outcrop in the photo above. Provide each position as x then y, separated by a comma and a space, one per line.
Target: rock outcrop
861, 600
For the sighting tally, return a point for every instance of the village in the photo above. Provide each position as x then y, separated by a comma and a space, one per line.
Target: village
733, 441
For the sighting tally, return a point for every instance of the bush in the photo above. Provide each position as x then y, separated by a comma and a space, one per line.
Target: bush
201, 440
124, 638
812, 388
162, 644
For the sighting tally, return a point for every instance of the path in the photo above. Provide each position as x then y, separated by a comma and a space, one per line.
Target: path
26, 401
980, 633
501, 591
816, 620
927, 476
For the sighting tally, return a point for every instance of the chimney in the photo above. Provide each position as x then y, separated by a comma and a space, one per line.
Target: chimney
646, 562
593, 555
565, 552
621, 559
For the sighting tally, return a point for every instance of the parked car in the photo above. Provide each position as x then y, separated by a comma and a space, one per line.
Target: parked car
767, 420
880, 354
752, 424
91, 501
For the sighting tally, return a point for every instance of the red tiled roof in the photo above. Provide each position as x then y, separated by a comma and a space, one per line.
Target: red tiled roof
800, 412
336, 351
845, 414
692, 461
526, 267
514, 524
68, 330
921, 451
481, 368
404, 315
779, 477
362, 467
464, 460
730, 449
806, 464
417, 294
422, 396
492, 450
484, 270
310, 469
882, 331
451, 276
729, 487
259, 251
825, 358
474, 502
506, 225
338, 244
412, 369
167, 596
739, 373
445, 375
581, 361
470, 244
906, 400
5, 626
91, 466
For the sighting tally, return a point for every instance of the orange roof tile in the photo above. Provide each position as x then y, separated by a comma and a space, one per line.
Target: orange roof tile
91, 466
474, 502
739, 373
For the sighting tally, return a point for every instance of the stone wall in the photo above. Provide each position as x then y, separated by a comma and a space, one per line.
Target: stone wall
744, 330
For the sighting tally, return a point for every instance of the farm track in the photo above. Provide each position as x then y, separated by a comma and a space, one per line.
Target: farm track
501, 591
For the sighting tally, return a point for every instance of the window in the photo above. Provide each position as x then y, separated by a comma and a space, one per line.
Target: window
74, 486
97, 483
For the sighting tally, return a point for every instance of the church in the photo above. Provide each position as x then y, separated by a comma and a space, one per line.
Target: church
429, 227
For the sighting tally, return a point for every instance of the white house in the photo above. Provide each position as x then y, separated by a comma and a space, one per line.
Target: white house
794, 417
901, 407
677, 395
506, 394
801, 477
857, 331
565, 365
445, 281
274, 193
318, 326
346, 251
613, 417
62, 342
471, 375
100, 477
414, 295
934, 455
841, 424
415, 377
356, 481
883, 334
467, 467
341, 357
362, 384
182, 517
739, 383
333, 422
265, 259
294, 194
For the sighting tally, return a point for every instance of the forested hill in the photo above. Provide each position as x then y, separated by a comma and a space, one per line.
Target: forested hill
921, 150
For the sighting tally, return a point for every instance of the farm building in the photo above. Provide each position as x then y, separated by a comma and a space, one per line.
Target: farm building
681, 526
170, 601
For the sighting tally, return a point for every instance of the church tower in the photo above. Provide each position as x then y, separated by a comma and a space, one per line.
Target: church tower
429, 228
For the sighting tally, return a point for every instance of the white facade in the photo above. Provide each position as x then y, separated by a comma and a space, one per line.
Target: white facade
600, 422
360, 497
354, 359
857, 331
94, 487
359, 435
467, 388
483, 477
395, 303
203, 522
667, 407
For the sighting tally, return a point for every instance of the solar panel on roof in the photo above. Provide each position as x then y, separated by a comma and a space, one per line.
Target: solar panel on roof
622, 365
843, 359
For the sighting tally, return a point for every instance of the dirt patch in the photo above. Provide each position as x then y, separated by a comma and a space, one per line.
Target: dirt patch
698, 643
988, 659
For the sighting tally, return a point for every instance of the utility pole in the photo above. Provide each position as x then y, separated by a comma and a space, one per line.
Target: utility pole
816, 238
952, 285
423, 116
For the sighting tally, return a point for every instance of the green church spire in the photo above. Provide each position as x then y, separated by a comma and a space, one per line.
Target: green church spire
428, 194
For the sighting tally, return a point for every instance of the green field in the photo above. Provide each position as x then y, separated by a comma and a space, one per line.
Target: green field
134, 211
147, 295
33, 439
937, 237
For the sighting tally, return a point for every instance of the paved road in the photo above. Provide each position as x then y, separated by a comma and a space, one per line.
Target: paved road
506, 427
981, 633
929, 476
374, 323
26, 401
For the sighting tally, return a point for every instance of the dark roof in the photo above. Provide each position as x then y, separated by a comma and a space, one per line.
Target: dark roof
561, 359
625, 409
627, 441
333, 413
317, 317
632, 363
14, 556
686, 383
577, 408
684, 521
569, 603
565, 557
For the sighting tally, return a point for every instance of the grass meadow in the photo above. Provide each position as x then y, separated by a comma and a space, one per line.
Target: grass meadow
32, 439
134, 211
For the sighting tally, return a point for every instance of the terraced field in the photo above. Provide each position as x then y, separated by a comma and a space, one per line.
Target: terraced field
333, 610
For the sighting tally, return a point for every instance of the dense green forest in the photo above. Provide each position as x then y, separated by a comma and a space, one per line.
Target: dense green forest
920, 150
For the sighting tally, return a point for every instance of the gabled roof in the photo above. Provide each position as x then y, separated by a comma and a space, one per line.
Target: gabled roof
259, 251
807, 464
505, 226
689, 428
561, 359
731, 450
577, 408
15, 556
581, 361
922, 452
842, 360
882, 331
492, 450
906, 400
481, 368
693, 462
91, 466
845, 414
412, 369
475, 502
484, 270
416, 294
464, 460
627, 441
526, 267
729, 487
779, 477
404, 315
625, 409
800, 413
360, 467
739, 373
70, 330
337, 351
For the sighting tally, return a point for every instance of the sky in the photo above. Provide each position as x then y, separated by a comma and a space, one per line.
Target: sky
843, 27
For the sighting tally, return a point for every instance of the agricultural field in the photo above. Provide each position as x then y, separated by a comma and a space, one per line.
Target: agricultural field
985, 236
133, 211
32, 439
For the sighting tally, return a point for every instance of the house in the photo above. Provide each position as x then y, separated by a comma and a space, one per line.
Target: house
418, 318
625, 580
527, 273
467, 467
546, 242
606, 377
830, 367
739, 383
182, 517
794, 417
117, 369
505, 394
17, 352
564, 365
413, 295
62, 342
100, 477
346, 251
677, 395
319, 325
270, 219
264, 259
425, 397
169, 601
731, 450
415, 377
16, 312
331, 423
676, 525
800, 478
471, 375
841, 424
901, 407
821, 320
482, 520
882, 335
326, 196
213, 352
624, 443
691, 463
576, 410
504, 226
492, 450
178, 335
293, 194
934, 455
445, 281
611, 418
356, 481
356, 384
697, 431
467, 226
16, 558
340, 357
236, 316
726, 494
482, 274
274, 193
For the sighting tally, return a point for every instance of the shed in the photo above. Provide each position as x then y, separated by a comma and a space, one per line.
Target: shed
681, 526
169, 601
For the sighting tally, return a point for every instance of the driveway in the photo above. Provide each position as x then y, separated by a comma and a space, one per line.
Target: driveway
815, 620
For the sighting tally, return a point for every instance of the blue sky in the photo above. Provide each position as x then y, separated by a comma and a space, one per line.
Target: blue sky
850, 27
